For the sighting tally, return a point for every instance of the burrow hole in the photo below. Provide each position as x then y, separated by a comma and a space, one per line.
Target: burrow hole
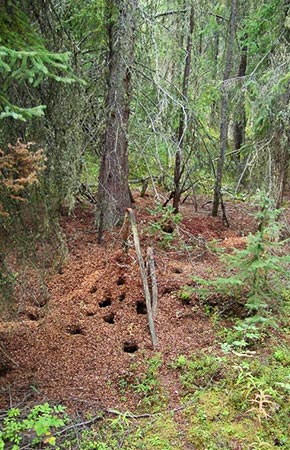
141, 307
106, 302
32, 316
5, 370
121, 280
93, 289
109, 318
122, 297
130, 347
75, 329
176, 270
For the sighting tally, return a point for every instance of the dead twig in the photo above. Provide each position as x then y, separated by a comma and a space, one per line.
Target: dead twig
143, 276
152, 273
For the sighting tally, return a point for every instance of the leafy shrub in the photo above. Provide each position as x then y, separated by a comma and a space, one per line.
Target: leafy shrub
38, 426
148, 384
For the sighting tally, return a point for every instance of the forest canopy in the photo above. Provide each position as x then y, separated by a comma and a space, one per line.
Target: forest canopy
190, 98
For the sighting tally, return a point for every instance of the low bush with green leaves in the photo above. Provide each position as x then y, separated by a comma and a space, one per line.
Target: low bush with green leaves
38, 427
148, 384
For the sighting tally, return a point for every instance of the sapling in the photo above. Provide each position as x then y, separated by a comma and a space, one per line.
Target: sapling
257, 274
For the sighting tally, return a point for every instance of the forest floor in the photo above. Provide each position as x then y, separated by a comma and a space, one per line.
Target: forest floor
87, 343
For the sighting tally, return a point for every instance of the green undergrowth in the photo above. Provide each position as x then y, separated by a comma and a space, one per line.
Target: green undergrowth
236, 401
163, 225
226, 401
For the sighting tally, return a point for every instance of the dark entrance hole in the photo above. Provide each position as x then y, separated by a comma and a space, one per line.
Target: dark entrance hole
5, 370
110, 318
93, 289
141, 307
32, 315
122, 297
75, 329
121, 281
130, 347
106, 302
168, 228
177, 270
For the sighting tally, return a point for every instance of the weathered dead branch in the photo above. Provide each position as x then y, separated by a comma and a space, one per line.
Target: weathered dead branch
143, 276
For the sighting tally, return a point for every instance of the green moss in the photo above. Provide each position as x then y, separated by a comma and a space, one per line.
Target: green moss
162, 435
199, 371
215, 423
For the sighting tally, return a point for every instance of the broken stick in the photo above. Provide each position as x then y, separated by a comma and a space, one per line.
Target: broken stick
143, 276
152, 273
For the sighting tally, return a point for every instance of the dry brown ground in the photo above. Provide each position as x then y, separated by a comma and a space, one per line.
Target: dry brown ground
71, 348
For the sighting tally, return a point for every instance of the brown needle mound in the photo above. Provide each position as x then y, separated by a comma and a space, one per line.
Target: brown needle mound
94, 329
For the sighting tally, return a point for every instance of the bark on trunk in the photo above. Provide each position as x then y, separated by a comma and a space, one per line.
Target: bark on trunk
240, 122
113, 189
280, 170
216, 45
224, 110
178, 170
280, 157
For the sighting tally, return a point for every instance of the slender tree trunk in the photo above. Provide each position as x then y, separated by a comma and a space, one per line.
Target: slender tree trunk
280, 156
178, 170
224, 109
280, 168
240, 121
113, 190
214, 71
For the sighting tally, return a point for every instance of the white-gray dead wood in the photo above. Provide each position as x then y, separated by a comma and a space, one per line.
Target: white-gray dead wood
143, 276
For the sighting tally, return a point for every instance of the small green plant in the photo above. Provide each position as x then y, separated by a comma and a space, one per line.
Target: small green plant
241, 336
123, 384
39, 426
282, 355
198, 371
148, 384
185, 293
164, 224
256, 275
181, 362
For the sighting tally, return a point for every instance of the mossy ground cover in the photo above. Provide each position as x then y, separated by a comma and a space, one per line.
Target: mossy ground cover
230, 402
226, 401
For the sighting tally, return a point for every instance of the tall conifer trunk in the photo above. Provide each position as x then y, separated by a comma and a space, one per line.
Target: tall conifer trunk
224, 109
240, 122
178, 169
280, 153
113, 189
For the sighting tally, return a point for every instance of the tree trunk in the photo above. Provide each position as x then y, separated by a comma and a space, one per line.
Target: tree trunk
240, 121
224, 110
280, 155
216, 44
181, 127
279, 168
113, 189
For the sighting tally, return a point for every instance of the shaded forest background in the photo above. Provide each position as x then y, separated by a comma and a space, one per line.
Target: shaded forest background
99, 96
174, 113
